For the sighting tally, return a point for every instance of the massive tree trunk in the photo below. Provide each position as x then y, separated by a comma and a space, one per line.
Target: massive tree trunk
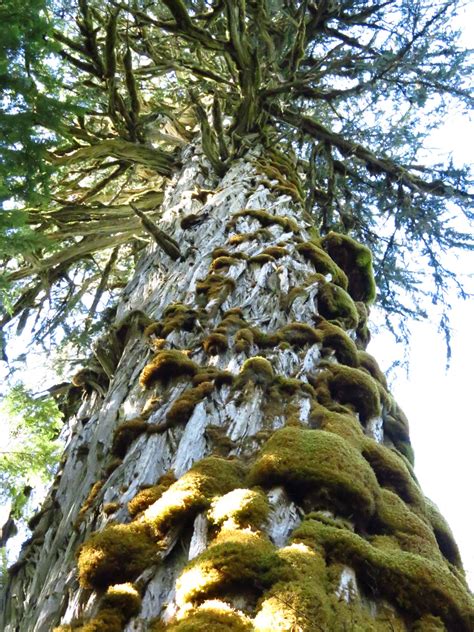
236, 461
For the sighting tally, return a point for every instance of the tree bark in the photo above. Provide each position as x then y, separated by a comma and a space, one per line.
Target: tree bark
295, 506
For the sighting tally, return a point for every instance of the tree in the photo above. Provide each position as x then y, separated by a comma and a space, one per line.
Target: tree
234, 459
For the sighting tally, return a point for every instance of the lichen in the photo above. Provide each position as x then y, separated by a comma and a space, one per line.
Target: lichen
320, 467
166, 366
351, 387
356, 261
118, 553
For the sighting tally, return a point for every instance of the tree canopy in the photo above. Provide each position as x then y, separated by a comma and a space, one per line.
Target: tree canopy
349, 90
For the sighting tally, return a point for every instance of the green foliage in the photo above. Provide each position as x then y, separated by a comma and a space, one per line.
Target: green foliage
32, 451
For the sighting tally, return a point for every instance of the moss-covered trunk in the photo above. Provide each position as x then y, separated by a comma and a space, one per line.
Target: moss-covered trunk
237, 462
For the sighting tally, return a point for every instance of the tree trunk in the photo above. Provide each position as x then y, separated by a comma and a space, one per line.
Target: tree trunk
236, 462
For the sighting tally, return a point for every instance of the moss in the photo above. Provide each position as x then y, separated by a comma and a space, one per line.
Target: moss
356, 261
191, 220
214, 286
122, 598
240, 507
334, 303
288, 300
414, 584
277, 252
176, 316
212, 616
223, 263
344, 424
217, 438
125, 434
261, 258
256, 370
89, 501
299, 334
262, 234
362, 331
212, 374
429, 623
370, 364
181, 410
147, 496
301, 602
443, 534
110, 508
119, 553
351, 387
396, 424
334, 337
215, 343
235, 558
323, 263
105, 621
320, 467
392, 472
111, 467
166, 366
266, 219
193, 492
244, 339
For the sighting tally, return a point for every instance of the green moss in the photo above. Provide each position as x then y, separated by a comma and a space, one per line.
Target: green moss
429, 623
318, 466
236, 558
122, 598
301, 602
323, 263
413, 583
356, 261
443, 534
193, 492
147, 496
266, 219
89, 501
105, 621
110, 508
119, 553
240, 507
224, 263
344, 424
262, 234
299, 334
396, 423
214, 286
181, 410
125, 434
392, 472
212, 374
219, 441
351, 387
277, 252
370, 364
256, 370
334, 303
211, 616
362, 331
215, 343
261, 258
333, 337
288, 300
167, 366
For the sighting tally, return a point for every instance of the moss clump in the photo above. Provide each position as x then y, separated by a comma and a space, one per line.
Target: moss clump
301, 602
217, 438
122, 598
299, 334
318, 466
212, 616
262, 234
182, 409
244, 339
212, 374
214, 286
224, 262
356, 261
215, 343
344, 424
393, 517
333, 337
277, 252
429, 623
266, 219
334, 303
323, 263
443, 534
125, 434
392, 472
240, 507
413, 583
105, 621
256, 370
147, 496
262, 258
362, 331
193, 492
370, 364
119, 553
176, 316
110, 508
350, 387
167, 366
89, 501
236, 557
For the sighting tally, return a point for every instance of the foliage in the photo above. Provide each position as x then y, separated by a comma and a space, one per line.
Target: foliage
31, 453
347, 92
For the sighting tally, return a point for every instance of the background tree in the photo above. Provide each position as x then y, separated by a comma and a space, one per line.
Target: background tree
245, 140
